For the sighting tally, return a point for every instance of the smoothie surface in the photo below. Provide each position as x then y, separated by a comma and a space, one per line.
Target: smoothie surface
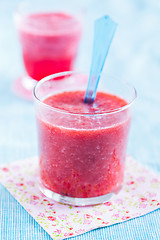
73, 102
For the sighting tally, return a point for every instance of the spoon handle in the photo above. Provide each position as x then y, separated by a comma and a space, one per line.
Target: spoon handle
104, 30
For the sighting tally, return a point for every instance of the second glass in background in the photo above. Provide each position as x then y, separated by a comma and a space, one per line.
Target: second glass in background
49, 34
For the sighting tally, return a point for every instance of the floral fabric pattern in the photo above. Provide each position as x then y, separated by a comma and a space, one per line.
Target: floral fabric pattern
139, 195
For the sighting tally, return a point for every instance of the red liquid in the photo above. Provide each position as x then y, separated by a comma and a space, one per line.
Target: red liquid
49, 43
83, 156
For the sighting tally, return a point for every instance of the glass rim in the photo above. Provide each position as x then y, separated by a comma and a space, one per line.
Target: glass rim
19, 14
52, 76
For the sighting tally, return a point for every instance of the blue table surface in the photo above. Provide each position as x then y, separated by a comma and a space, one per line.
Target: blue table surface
133, 56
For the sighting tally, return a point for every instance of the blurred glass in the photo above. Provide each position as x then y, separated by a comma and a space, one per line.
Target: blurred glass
49, 38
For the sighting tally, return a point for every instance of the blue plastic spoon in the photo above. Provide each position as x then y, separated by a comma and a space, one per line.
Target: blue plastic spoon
104, 30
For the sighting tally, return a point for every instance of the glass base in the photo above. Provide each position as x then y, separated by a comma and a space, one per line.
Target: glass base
76, 201
23, 87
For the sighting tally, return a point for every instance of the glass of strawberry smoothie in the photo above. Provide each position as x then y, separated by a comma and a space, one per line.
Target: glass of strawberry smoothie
82, 147
49, 38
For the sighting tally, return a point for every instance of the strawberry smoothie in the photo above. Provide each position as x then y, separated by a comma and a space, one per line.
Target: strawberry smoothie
83, 146
49, 42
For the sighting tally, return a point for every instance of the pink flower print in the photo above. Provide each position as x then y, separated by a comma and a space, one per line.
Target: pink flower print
67, 223
119, 201
152, 194
87, 221
80, 231
51, 218
41, 215
108, 203
98, 213
68, 234
15, 167
35, 197
125, 217
57, 231
50, 204
140, 179
30, 183
142, 205
116, 215
10, 180
50, 208
143, 199
130, 183
33, 202
153, 202
154, 180
88, 216
105, 223
19, 184
5, 169
63, 216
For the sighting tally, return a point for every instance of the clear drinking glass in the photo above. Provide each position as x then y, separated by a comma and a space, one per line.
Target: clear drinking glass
49, 33
81, 156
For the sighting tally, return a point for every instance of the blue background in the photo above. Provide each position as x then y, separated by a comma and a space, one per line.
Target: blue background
134, 56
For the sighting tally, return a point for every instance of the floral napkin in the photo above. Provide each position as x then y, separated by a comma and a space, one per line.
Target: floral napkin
140, 195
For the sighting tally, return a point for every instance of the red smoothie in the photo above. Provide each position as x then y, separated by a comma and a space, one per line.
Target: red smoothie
49, 42
83, 146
